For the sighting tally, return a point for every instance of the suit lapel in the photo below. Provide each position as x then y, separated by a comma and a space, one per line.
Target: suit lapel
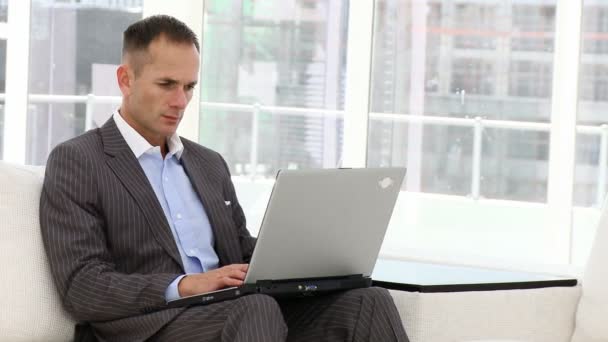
208, 184
128, 170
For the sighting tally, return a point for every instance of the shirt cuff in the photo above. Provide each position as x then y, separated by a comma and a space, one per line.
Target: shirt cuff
172, 292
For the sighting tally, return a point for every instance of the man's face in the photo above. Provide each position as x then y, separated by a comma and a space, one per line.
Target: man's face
155, 97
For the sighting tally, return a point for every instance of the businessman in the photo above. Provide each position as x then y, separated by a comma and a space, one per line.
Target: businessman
132, 215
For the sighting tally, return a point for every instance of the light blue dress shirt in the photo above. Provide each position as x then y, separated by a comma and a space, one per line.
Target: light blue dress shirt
182, 207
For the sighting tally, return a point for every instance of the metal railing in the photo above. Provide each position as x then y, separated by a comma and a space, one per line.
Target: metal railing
89, 99
478, 124
255, 111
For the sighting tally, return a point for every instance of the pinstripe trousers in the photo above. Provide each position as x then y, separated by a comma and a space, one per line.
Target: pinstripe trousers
356, 315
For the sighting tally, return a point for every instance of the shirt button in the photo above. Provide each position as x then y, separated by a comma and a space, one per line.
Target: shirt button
179, 216
166, 179
192, 251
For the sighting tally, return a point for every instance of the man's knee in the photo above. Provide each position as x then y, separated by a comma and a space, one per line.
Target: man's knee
380, 293
259, 304
374, 293
255, 318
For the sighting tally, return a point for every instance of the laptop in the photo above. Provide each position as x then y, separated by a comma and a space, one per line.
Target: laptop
321, 232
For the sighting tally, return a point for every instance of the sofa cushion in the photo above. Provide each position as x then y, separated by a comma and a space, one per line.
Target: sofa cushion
30, 309
593, 307
538, 315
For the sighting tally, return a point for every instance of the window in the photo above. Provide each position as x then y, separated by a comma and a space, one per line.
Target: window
530, 79
595, 28
595, 89
473, 76
3, 10
274, 58
2, 91
82, 42
448, 78
533, 26
3, 19
474, 26
590, 172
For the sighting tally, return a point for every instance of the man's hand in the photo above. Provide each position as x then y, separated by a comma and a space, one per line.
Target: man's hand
227, 276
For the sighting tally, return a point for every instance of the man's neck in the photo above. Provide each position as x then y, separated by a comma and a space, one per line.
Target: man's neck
161, 142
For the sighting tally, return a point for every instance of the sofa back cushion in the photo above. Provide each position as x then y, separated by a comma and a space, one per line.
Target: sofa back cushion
30, 309
591, 325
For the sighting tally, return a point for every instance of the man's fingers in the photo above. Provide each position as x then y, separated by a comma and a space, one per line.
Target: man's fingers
236, 274
241, 267
235, 270
232, 282
227, 276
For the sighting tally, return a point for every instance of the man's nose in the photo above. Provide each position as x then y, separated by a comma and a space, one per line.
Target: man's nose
180, 98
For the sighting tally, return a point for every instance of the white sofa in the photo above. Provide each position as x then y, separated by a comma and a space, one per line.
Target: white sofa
30, 309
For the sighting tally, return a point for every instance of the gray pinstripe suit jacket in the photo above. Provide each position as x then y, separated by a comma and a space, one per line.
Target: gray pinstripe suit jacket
110, 248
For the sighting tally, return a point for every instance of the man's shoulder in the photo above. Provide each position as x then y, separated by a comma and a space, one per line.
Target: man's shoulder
75, 158
87, 143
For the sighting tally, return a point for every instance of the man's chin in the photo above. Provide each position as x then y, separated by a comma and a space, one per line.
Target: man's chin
168, 130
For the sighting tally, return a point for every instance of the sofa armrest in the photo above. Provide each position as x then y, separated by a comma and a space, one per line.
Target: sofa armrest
533, 315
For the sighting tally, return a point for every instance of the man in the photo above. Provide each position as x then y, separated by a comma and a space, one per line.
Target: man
132, 215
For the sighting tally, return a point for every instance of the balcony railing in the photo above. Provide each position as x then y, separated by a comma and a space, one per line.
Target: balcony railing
478, 124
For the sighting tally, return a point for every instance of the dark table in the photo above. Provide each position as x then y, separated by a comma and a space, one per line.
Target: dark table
429, 277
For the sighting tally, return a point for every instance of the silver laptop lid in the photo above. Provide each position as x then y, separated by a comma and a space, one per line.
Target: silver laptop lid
324, 223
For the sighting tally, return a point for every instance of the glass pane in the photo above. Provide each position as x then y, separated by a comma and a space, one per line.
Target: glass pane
453, 82
517, 170
1, 130
492, 60
586, 171
288, 54
535, 21
590, 171
2, 92
449, 175
81, 42
589, 184
3, 10
473, 19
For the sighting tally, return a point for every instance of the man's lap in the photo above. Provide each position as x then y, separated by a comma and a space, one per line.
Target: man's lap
306, 318
341, 316
209, 322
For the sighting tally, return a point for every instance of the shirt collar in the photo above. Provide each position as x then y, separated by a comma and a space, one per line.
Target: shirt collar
139, 145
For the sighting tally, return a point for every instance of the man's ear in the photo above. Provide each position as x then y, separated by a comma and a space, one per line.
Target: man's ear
124, 76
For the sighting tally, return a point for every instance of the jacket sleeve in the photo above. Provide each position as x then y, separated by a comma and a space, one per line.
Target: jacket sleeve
74, 235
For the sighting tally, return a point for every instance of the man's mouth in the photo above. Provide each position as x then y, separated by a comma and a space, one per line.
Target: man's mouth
171, 118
